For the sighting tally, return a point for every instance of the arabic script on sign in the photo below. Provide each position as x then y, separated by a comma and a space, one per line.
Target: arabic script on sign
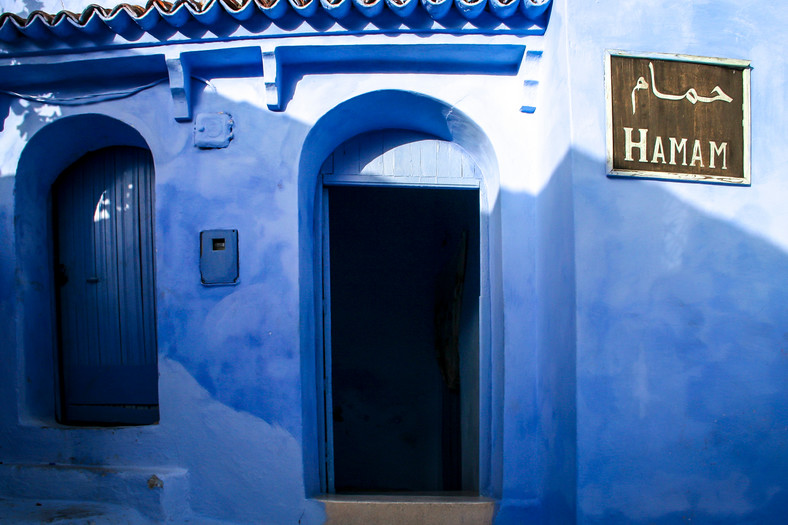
691, 94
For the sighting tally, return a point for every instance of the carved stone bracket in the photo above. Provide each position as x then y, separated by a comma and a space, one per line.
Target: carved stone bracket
272, 80
179, 72
530, 71
281, 67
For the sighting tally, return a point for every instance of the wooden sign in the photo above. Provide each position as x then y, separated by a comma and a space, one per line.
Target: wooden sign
678, 117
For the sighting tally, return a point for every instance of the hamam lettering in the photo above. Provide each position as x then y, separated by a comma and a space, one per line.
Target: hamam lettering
674, 151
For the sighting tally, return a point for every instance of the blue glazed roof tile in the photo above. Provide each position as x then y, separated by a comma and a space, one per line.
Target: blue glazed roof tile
93, 20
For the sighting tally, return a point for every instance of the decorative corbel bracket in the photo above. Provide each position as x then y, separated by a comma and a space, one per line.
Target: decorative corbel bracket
272, 78
179, 71
530, 71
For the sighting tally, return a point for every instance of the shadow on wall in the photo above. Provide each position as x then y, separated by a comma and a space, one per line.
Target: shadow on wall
33, 118
255, 323
8, 389
238, 432
539, 434
682, 349
682, 359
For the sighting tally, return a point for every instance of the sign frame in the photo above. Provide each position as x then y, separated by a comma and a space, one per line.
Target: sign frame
743, 65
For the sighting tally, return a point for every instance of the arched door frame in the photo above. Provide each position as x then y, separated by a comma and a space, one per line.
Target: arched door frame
487, 388
49, 151
394, 109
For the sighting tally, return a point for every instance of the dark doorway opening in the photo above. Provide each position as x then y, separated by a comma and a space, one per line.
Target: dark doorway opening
404, 339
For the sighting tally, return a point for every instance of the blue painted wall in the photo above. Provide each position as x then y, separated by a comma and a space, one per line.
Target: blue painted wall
637, 359
682, 401
229, 384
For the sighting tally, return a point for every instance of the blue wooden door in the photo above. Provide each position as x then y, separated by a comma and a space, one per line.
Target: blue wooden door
103, 213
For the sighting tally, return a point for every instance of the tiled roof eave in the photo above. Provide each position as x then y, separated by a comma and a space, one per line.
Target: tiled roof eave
128, 20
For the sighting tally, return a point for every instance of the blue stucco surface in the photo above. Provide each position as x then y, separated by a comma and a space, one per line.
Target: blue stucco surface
637, 349
681, 367
681, 303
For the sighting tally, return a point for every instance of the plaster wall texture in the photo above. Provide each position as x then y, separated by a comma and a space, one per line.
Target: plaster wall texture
641, 363
237, 400
231, 419
538, 266
682, 404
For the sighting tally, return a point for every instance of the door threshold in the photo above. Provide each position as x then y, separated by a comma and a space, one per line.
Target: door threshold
404, 496
436, 508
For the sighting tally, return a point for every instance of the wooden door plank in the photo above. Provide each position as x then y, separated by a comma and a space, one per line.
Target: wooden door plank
106, 309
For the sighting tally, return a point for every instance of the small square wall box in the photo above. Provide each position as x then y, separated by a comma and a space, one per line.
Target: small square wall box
213, 130
219, 257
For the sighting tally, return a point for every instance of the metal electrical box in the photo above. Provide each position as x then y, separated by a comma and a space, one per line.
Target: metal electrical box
219, 257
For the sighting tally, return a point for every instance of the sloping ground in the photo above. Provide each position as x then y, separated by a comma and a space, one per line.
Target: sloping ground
66, 512
62, 512
83, 493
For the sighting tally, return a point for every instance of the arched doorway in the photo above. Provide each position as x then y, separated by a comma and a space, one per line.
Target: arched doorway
104, 288
47, 155
401, 288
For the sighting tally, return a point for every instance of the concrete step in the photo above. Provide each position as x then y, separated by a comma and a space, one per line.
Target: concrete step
31, 511
157, 493
408, 510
